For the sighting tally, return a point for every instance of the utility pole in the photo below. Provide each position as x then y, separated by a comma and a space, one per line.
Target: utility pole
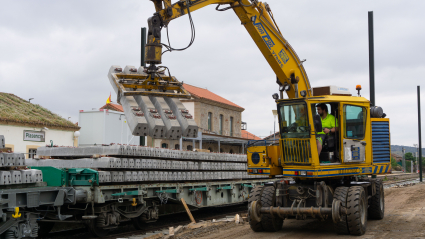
420, 133
416, 157
416, 161
404, 160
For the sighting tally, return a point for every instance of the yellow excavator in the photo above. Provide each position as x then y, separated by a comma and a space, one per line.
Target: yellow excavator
329, 143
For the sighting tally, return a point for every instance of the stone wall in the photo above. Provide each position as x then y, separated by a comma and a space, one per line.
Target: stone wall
201, 118
224, 147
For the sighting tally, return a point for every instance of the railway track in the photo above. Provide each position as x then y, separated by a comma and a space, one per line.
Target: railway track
400, 183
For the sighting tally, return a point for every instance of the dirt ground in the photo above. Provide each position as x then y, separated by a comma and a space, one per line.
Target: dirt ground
404, 218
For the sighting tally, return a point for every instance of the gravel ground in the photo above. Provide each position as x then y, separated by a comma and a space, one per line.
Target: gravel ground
404, 218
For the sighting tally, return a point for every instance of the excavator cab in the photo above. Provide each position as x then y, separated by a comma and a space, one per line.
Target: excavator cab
351, 149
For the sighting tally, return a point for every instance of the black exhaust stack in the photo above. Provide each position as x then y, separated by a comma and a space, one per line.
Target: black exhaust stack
371, 60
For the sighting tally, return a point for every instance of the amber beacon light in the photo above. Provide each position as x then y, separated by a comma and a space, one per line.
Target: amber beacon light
358, 88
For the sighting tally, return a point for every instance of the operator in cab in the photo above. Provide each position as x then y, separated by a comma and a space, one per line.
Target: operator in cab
329, 125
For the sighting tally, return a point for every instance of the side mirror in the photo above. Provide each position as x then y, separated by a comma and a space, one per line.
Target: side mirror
317, 123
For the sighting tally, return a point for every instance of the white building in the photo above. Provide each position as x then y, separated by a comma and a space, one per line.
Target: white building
105, 126
27, 126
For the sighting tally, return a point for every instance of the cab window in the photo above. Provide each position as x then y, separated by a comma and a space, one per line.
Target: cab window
354, 121
293, 120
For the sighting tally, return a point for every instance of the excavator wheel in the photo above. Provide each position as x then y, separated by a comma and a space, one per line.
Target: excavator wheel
270, 223
377, 202
341, 195
356, 210
255, 195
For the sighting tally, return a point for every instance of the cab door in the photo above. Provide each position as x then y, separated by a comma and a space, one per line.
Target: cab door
354, 126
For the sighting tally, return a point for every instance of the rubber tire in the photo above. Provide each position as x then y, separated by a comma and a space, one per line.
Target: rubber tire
96, 231
355, 198
255, 195
44, 228
341, 195
270, 223
375, 211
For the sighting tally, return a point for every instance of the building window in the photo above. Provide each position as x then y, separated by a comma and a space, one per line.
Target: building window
190, 147
220, 123
209, 121
164, 146
231, 126
32, 153
177, 146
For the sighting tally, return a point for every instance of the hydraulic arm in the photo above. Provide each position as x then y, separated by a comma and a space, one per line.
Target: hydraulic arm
258, 21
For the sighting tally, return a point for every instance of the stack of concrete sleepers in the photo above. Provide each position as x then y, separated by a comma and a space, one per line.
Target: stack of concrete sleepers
13, 170
125, 163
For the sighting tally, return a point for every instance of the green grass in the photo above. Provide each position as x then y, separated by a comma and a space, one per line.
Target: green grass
17, 110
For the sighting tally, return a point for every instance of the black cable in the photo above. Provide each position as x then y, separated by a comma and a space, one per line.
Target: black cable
167, 70
192, 39
222, 9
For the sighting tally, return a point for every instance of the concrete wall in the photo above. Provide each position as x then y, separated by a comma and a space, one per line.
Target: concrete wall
14, 138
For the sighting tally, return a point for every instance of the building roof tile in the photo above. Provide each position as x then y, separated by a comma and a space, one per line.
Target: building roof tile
112, 106
247, 135
272, 136
201, 93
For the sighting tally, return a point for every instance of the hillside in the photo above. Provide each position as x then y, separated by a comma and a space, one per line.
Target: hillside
397, 149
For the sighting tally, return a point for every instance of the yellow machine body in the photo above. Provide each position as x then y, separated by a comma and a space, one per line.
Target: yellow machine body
268, 160
298, 157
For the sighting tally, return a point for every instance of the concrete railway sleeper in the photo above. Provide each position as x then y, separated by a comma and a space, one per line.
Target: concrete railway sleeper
349, 202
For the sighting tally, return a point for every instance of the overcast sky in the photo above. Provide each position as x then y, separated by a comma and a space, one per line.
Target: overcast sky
59, 53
